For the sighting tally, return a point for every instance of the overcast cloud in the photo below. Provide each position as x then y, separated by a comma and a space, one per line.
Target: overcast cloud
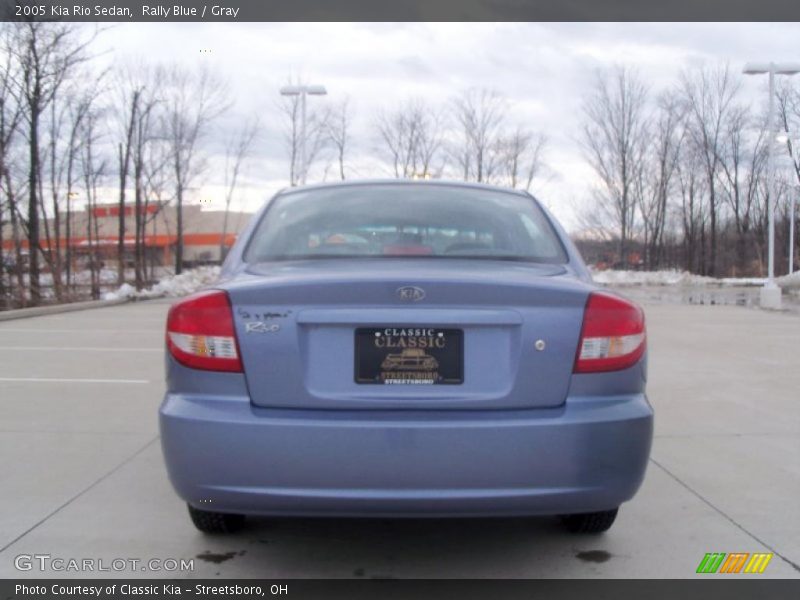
544, 69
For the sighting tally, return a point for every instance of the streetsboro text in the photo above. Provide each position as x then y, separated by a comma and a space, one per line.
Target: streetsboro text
167, 589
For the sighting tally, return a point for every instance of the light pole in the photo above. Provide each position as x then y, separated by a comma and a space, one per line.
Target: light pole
771, 293
303, 91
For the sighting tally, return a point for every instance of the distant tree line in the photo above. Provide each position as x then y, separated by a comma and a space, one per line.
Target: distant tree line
68, 131
69, 134
473, 137
681, 173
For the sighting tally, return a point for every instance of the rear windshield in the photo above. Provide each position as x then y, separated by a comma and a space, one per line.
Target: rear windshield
404, 220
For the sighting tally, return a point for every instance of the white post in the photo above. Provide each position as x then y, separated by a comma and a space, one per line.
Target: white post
303, 91
771, 293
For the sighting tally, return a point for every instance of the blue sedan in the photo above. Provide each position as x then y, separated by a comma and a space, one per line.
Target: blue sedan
405, 349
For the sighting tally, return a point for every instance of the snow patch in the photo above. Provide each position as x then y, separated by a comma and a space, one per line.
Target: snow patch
669, 278
172, 286
789, 282
126, 290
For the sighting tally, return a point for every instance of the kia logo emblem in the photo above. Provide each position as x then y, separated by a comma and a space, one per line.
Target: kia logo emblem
410, 293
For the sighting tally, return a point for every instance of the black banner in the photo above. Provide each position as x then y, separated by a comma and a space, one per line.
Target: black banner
350, 589
399, 10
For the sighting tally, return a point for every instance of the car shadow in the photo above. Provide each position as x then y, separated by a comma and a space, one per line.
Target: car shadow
386, 548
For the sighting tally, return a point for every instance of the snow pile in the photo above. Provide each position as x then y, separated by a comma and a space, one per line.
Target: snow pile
743, 281
789, 282
171, 286
126, 290
670, 277
183, 284
623, 278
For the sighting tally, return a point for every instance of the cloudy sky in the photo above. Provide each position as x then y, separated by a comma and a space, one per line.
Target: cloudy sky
544, 69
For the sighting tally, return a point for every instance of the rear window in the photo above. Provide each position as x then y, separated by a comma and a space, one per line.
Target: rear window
404, 220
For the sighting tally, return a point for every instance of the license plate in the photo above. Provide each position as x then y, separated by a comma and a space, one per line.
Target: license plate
409, 356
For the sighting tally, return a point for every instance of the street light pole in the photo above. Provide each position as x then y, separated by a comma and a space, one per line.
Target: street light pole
771, 293
302, 91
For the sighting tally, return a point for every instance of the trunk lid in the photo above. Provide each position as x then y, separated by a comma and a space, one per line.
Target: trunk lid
296, 324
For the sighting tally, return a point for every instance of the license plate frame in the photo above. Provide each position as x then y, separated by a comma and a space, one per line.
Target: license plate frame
409, 355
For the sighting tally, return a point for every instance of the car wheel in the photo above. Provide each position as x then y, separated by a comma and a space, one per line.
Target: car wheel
214, 522
594, 522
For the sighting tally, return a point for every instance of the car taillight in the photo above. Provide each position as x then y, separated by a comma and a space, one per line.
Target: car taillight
613, 335
201, 335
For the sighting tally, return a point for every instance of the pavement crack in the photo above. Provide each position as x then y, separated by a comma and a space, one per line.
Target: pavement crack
79, 494
707, 435
722, 513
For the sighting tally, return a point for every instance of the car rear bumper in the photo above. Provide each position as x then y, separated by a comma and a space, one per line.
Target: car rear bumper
224, 454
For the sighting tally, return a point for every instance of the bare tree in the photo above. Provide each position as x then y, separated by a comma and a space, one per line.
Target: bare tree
655, 177
398, 134
430, 159
10, 116
68, 109
193, 99
411, 137
79, 108
614, 137
290, 107
92, 170
480, 114
317, 135
152, 168
131, 89
339, 132
521, 157
238, 149
789, 119
692, 187
48, 54
710, 96
137, 99
742, 163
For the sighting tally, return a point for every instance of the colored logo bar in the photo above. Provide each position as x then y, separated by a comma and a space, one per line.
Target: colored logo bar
735, 562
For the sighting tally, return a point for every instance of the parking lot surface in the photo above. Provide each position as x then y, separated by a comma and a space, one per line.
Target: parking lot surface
82, 477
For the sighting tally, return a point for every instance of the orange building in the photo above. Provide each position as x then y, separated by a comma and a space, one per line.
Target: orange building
98, 236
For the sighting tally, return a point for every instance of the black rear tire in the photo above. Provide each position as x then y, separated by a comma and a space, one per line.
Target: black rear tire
594, 522
214, 522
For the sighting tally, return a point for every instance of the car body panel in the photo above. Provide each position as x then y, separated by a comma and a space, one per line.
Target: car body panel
587, 455
300, 364
295, 434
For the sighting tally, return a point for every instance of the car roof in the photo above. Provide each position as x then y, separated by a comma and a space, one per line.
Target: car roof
403, 182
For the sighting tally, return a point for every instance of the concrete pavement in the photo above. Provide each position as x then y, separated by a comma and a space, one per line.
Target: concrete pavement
81, 473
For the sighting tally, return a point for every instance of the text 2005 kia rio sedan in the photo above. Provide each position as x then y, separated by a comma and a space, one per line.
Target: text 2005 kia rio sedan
405, 350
